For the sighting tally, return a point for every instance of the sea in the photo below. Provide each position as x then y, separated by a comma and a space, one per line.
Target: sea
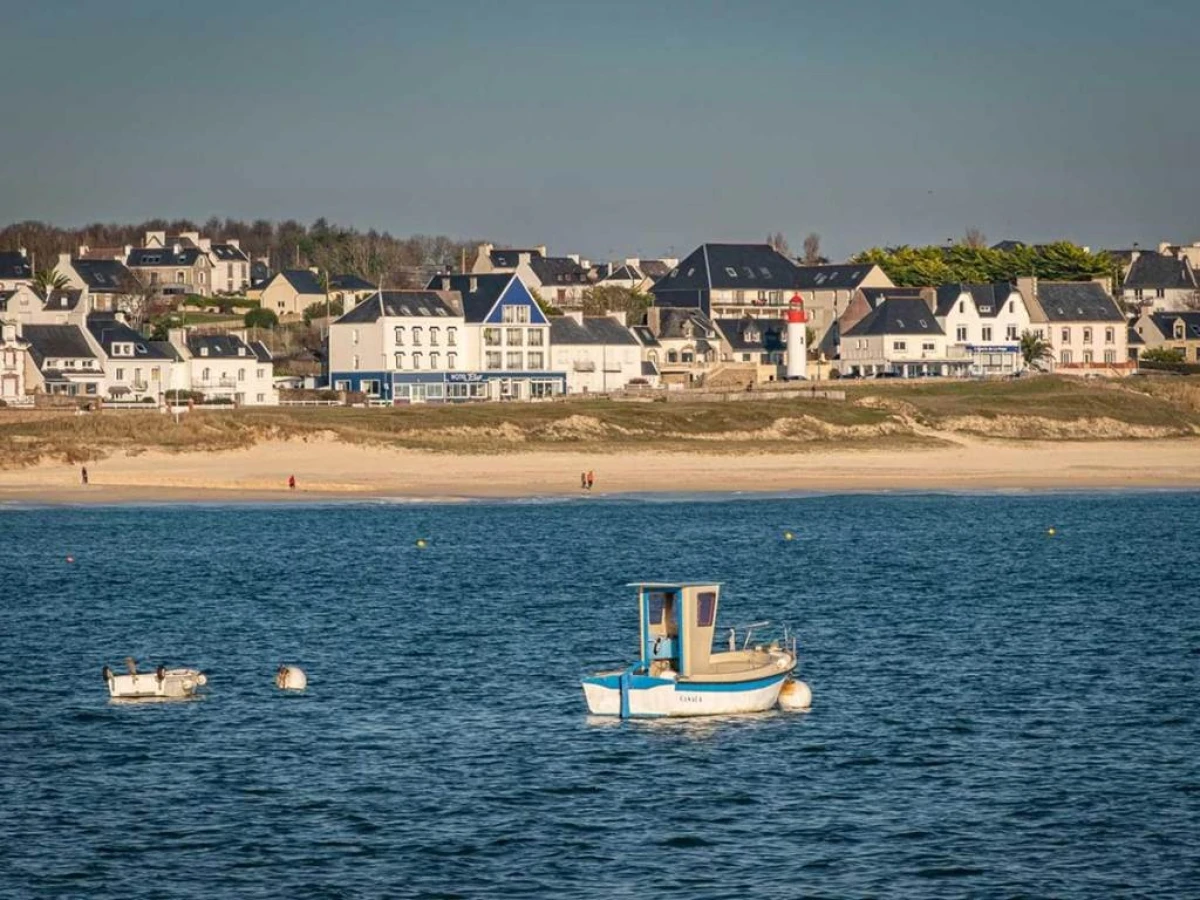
999, 710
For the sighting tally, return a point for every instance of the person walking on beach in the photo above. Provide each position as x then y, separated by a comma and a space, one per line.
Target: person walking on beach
83, 475
590, 479
291, 482
583, 481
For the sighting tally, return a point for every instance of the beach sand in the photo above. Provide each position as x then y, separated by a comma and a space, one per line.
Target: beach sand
330, 469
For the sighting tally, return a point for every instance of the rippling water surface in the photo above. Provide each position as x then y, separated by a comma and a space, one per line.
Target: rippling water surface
997, 712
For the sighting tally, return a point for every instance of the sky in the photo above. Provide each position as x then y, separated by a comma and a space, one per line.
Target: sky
615, 128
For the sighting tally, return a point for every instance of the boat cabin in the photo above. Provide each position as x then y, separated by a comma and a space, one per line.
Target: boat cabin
677, 623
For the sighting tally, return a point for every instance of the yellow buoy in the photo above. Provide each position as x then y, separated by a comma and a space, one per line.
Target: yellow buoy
1051, 532
422, 543
787, 535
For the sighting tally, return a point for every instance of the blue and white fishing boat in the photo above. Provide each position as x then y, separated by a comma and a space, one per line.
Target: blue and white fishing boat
680, 674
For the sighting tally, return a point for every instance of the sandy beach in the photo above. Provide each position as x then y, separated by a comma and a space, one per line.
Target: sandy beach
330, 469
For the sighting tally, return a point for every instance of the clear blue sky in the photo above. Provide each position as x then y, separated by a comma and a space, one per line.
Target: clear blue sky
612, 128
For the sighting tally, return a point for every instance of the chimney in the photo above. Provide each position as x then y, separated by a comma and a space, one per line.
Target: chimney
573, 257
619, 315
128, 250
23, 253
445, 284
177, 337
541, 249
575, 315
64, 262
235, 242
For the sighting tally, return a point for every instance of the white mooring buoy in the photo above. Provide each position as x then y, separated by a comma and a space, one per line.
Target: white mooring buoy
290, 678
795, 695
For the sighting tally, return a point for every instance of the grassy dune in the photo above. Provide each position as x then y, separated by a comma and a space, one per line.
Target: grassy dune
882, 414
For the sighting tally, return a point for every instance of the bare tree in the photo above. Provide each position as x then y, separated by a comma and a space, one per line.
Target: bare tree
779, 243
975, 238
812, 249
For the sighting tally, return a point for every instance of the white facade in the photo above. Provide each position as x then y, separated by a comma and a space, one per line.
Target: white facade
13, 353
597, 359
225, 367
986, 328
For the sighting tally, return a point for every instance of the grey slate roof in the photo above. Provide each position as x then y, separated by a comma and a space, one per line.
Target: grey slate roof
105, 276
229, 253
55, 342
260, 272
476, 304
1134, 339
260, 351
1155, 270
349, 282
645, 336
63, 300
510, 258
107, 330
14, 265
649, 369
728, 267
832, 277
900, 315
1165, 323
876, 295
555, 270
672, 323
653, 268
154, 257
1077, 301
748, 334
219, 346
623, 273
166, 349
1008, 246
393, 304
303, 281
989, 298
594, 330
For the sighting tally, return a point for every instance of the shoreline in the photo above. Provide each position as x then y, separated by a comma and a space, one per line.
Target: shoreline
328, 470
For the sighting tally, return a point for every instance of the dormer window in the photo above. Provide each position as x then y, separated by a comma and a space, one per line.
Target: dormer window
1179, 331
204, 351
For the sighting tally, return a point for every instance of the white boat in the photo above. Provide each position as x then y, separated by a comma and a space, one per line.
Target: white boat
161, 684
678, 672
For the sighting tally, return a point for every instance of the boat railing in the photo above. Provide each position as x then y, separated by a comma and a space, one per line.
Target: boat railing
788, 641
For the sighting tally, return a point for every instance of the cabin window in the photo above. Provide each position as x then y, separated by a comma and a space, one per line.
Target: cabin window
661, 603
706, 608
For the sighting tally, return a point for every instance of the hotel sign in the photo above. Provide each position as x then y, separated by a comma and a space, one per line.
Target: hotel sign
469, 377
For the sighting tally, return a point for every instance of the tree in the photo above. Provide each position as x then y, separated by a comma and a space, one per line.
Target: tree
933, 264
812, 250
317, 310
1035, 350
1162, 355
261, 318
547, 308
974, 238
779, 243
47, 280
603, 299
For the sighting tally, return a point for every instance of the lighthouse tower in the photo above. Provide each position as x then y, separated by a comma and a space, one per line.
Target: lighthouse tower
797, 339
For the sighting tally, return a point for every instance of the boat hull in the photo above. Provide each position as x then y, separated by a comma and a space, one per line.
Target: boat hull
650, 697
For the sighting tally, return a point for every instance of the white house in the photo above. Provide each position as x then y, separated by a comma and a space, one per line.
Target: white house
465, 337
62, 359
598, 353
900, 337
1084, 325
134, 368
230, 273
1160, 282
403, 346
226, 367
985, 321
14, 350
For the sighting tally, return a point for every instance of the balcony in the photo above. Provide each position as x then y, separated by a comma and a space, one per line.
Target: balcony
584, 365
216, 383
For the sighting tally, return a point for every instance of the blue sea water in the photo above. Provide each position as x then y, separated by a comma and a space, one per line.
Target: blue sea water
997, 712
